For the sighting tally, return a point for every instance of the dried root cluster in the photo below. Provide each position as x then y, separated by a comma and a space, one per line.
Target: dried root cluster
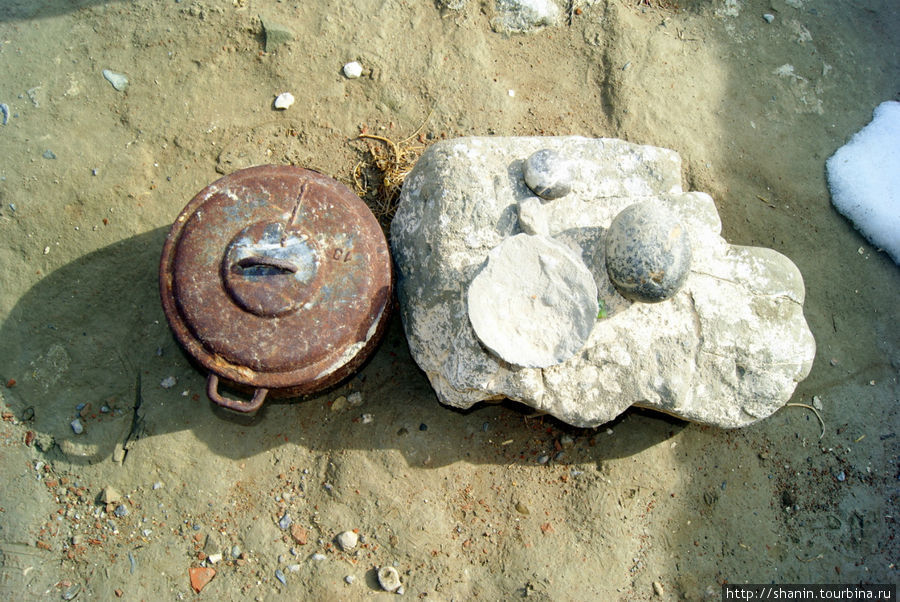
379, 176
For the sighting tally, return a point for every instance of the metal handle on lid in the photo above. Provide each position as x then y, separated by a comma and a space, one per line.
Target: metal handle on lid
212, 391
278, 263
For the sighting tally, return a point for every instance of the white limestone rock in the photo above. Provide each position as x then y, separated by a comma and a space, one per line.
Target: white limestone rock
525, 16
727, 349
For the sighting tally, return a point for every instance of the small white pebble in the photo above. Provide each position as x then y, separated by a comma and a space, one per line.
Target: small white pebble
512, 93
317, 556
284, 101
46, 250
214, 558
355, 399
168, 382
347, 540
352, 70
769, 17
388, 578
349, 579
367, 418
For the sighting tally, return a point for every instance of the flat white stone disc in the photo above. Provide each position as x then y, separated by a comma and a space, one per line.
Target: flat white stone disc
534, 303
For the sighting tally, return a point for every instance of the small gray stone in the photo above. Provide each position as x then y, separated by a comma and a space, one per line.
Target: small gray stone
648, 252
769, 17
547, 173
285, 521
77, 428
534, 303
276, 34
212, 543
388, 578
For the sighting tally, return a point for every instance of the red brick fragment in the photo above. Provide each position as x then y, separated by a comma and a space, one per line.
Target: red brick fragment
200, 576
299, 534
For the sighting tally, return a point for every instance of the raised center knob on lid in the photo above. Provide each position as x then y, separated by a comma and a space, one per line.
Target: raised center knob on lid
270, 271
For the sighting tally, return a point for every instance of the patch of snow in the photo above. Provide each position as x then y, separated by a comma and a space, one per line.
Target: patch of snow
864, 179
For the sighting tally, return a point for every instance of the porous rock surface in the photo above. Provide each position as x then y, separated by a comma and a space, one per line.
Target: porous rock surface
727, 349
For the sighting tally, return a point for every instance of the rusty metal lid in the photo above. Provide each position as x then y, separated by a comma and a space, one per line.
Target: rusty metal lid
276, 278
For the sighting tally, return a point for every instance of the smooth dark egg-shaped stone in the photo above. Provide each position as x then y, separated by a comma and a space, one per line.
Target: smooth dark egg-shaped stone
648, 252
547, 174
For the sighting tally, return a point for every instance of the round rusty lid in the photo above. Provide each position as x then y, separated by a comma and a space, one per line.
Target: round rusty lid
276, 277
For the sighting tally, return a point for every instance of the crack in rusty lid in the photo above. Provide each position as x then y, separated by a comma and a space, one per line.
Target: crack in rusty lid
277, 277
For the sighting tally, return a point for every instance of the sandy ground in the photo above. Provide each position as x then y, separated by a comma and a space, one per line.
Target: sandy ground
646, 507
